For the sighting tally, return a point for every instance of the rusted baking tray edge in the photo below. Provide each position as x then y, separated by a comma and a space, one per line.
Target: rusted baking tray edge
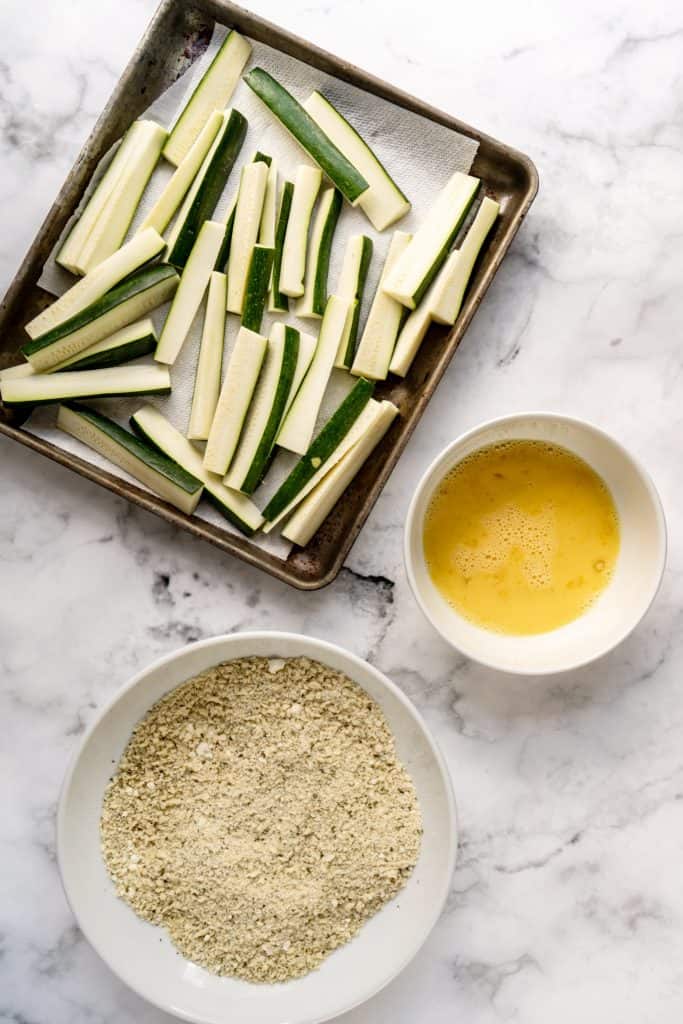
508, 175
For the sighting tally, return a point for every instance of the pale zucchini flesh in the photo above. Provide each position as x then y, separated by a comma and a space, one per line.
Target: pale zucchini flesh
207, 381
279, 302
115, 218
357, 256
229, 219
133, 298
265, 411
312, 511
351, 286
421, 261
410, 337
447, 299
241, 376
70, 249
307, 346
213, 92
382, 327
16, 372
180, 182
383, 203
153, 426
151, 467
266, 235
297, 428
309, 468
140, 250
113, 381
188, 297
293, 265
245, 231
313, 301
201, 200
308, 134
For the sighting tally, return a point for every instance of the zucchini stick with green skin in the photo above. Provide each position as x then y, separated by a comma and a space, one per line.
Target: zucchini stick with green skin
140, 250
134, 297
223, 257
312, 303
308, 134
447, 299
207, 381
357, 429
256, 292
298, 425
306, 350
384, 322
311, 512
113, 381
180, 182
153, 427
229, 219
187, 299
213, 92
383, 203
131, 342
112, 225
351, 286
245, 231
207, 187
266, 410
70, 249
417, 323
442, 302
279, 302
152, 468
328, 440
238, 387
421, 261
294, 248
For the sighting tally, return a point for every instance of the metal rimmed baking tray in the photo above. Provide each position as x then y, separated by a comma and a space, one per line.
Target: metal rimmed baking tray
177, 35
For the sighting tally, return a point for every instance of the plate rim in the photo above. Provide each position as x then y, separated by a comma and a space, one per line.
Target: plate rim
322, 647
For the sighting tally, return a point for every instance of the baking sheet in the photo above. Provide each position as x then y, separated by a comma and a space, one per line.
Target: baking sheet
421, 156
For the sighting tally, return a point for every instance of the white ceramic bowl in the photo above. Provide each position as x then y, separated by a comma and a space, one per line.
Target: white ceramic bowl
142, 955
624, 601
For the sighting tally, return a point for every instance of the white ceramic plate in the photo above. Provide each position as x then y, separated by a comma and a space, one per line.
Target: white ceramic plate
142, 955
626, 598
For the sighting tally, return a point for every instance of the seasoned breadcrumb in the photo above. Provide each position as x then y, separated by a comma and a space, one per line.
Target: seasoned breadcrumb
259, 814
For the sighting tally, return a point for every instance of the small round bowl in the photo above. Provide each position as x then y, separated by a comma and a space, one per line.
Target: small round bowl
624, 601
142, 955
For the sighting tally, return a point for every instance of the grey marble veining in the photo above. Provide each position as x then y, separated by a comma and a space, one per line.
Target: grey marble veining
566, 903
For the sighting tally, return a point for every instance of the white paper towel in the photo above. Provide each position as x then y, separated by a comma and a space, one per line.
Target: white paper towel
420, 156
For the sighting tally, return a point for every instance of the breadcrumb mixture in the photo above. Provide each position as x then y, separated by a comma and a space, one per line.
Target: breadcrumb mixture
259, 814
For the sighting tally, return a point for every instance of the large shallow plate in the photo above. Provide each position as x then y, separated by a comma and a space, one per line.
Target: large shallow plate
142, 956
177, 35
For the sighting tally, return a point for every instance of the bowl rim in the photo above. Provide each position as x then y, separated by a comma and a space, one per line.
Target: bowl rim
500, 421
321, 647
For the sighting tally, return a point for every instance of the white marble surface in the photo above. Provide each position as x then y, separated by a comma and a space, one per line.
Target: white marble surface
567, 902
